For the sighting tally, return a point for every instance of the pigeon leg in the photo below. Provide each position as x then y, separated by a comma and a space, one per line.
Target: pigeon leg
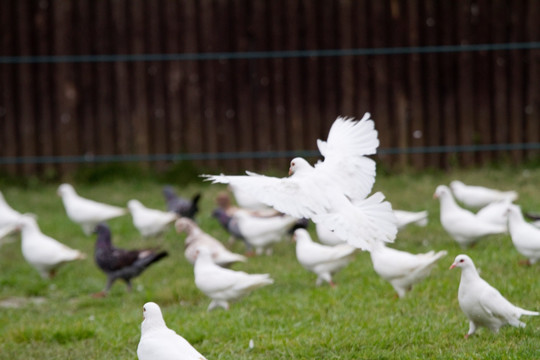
52, 273
128, 284
472, 329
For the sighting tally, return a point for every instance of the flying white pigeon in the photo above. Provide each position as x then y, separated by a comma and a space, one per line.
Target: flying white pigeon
8, 216
224, 285
150, 222
464, 226
158, 342
403, 269
495, 212
479, 196
197, 238
525, 236
262, 232
85, 212
405, 218
334, 191
323, 260
44, 253
483, 304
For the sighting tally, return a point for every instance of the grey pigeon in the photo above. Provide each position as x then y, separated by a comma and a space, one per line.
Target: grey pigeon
181, 206
119, 263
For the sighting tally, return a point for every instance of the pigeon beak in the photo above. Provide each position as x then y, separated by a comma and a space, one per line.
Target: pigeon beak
290, 172
435, 196
452, 266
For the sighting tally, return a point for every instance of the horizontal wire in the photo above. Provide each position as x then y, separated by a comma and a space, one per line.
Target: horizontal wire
246, 55
10, 160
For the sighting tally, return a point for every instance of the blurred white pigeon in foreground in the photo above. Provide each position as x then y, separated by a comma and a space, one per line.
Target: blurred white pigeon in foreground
85, 212
224, 285
525, 236
8, 216
196, 238
44, 253
464, 226
158, 342
402, 269
334, 191
479, 196
405, 218
323, 260
483, 304
150, 222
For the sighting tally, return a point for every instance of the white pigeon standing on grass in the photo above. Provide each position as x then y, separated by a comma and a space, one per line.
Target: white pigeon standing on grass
464, 226
479, 196
224, 285
404, 218
197, 238
323, 260
150, 222
263, 231
525, 236
482, 303
495, 213
334, 191
403, 269
44, 253
85, 212
158, 342
8, 216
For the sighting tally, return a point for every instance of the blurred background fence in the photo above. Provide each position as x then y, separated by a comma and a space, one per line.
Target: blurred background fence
246, 84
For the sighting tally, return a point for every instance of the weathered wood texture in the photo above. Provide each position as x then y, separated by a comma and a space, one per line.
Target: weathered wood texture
227, 105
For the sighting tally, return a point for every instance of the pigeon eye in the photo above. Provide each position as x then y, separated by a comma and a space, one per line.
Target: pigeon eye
143, 309
461, 260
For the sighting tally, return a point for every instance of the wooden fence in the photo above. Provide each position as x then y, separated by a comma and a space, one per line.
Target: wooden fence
86, 106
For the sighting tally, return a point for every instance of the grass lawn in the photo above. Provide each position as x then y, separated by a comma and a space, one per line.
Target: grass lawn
291, 319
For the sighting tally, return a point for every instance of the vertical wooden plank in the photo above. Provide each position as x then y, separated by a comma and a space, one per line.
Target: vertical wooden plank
156, 92
192, 113
398, 92
484, 81
7, 110
139, 112
278, 81
448, 86
431, 82
293, 72
499, 31
417, 133
532, 110
363, 65
465, 74
26, 87
208, 76
346, 76
175, 76
311, 76
121, 77
66, 92
516, 79
380, 25
329, 87
261, 81
86, 78
242, 74
45, 126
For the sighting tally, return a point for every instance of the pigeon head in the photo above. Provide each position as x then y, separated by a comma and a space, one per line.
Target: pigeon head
223, 200
103, 236
440, 191
152, 316
27, 221
456, 185
462, 261
298, 164
168, 192
204, 254
65, 189
300, 235
134, 205
514, 211
221, 216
